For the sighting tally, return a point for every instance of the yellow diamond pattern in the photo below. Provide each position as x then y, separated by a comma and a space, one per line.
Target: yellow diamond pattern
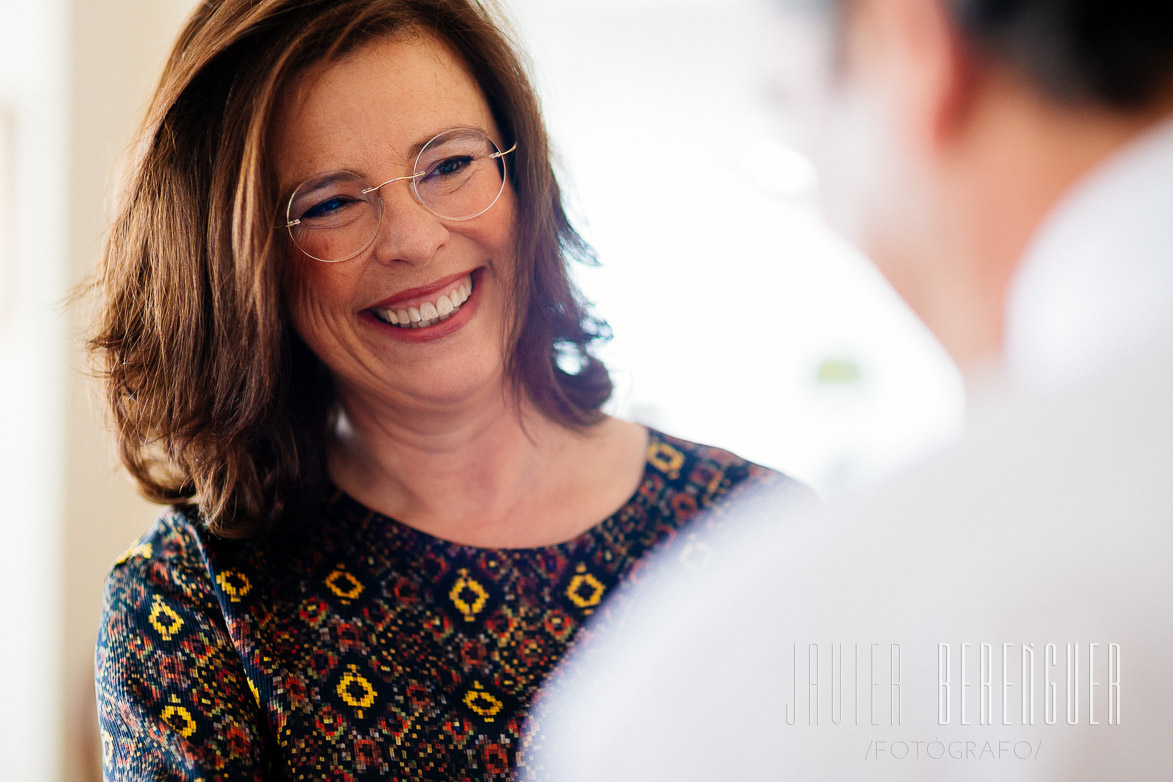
179, 718
456, 595
666, 459
165, 621
483, 703
353, 678
235, 584
344, 585
575, 590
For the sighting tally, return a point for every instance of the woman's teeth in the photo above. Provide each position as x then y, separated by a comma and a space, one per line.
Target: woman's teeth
429, 313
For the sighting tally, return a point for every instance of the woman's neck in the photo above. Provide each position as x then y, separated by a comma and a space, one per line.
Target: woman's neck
492, 473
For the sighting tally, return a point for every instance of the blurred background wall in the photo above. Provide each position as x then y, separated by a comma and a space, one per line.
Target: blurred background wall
74, 78
739, 318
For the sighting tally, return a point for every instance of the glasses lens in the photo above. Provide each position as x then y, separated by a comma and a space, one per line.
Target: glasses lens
461, 174
333, 219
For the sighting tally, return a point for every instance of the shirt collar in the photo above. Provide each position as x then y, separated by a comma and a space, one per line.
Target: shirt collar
1096, 282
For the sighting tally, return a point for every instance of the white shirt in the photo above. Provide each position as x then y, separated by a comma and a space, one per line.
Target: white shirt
1096, 284
1051, 525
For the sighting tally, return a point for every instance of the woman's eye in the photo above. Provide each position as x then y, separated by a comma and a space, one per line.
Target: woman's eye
327, 208
451, 166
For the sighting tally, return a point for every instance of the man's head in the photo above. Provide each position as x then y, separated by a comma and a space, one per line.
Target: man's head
945, 130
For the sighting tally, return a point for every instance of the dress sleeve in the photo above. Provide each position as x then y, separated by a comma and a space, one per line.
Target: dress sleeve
174, 702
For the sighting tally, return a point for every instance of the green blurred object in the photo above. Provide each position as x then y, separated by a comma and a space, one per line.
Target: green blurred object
838, 371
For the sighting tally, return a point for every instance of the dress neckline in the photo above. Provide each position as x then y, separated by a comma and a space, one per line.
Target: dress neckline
343, 504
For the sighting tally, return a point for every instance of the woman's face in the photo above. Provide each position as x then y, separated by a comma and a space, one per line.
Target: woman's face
369, 113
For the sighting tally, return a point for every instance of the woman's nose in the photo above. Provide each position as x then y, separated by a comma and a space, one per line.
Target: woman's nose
408, 232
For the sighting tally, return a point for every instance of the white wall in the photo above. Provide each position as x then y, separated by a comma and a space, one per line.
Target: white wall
32, 381
74, 76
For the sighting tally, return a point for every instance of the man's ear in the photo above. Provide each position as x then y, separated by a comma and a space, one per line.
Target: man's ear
931, 75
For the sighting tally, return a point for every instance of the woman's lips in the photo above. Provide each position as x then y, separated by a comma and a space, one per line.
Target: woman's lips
437, 307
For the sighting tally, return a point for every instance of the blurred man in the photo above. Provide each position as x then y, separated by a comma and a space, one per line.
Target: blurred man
1002, 612
1005, 165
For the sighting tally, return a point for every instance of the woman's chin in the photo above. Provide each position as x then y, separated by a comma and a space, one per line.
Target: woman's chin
443, 387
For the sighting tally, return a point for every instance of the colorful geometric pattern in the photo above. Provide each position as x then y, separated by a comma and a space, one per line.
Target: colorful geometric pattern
361, 648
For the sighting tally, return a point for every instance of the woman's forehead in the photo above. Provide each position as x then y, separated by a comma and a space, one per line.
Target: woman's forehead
368, 110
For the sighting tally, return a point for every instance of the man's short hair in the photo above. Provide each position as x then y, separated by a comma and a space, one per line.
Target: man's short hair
1113, 52
1117, 53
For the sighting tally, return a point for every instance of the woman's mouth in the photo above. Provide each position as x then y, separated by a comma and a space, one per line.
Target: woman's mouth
426, 313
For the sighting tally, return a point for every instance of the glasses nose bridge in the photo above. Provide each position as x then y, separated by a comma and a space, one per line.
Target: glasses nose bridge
401, 220
410, 178
377, 190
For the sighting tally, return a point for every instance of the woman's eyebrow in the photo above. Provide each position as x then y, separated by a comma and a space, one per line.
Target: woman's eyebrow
312, 183
413, 153
414, 150
326, 178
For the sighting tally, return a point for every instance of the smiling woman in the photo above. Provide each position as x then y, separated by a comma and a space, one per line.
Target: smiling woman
401, 111
335, 304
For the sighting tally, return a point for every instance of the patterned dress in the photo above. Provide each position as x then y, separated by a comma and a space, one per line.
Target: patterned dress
362, 648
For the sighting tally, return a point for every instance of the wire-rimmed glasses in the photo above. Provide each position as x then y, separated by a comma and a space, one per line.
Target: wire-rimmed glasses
458, 175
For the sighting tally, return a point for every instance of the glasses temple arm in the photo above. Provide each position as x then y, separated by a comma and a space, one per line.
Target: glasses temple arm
503, 154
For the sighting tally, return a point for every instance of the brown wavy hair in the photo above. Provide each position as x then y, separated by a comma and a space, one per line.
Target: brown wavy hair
213, 396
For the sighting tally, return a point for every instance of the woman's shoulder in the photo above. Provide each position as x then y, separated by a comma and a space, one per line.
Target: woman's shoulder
726, 491
172, 692
172, 538
714, 470
168, 558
